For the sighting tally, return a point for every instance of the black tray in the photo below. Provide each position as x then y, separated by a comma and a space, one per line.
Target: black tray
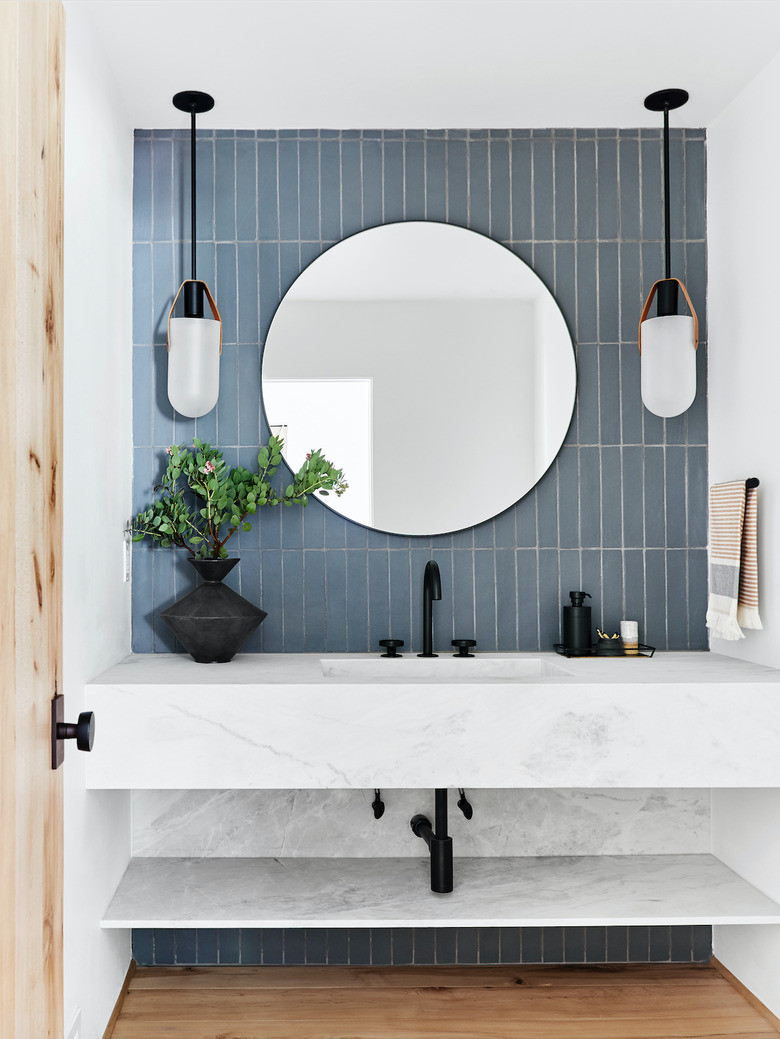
644, 651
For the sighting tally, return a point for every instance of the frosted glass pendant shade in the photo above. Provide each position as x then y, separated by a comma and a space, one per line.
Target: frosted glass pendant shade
194, 347
193, 364
668, 364
667, 348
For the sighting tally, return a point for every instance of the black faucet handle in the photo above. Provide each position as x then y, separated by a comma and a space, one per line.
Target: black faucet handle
378, 804
464, 645
391, 645
463, 803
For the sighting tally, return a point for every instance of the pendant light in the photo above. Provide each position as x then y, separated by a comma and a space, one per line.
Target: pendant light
668, 342
194, 341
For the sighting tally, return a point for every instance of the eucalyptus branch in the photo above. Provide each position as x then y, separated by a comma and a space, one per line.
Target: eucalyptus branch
221, 496
232, 530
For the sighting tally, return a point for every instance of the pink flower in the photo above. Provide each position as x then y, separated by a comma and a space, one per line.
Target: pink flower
209, 467
169, 450
308, 456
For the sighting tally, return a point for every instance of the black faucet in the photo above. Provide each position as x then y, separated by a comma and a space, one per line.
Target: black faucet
439, 844
431, 591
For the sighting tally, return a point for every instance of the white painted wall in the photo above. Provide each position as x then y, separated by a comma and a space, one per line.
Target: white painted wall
746, 836
744, 374
97, 479
743, 214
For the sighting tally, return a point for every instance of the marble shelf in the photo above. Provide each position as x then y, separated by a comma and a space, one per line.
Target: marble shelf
394, 892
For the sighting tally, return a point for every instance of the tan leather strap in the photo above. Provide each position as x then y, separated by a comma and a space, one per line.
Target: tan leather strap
212, 304
646, 309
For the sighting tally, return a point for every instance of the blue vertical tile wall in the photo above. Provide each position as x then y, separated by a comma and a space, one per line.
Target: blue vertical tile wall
621, 512
421, 945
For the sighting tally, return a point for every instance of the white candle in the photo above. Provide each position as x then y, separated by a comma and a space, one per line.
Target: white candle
629, 636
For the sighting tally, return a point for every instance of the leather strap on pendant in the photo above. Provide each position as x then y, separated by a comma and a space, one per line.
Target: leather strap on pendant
650, 298
212, 305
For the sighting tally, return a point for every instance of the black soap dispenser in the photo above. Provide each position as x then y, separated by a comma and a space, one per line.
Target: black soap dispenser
576, 625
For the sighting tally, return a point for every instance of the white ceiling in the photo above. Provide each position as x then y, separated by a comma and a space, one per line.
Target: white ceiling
431, 63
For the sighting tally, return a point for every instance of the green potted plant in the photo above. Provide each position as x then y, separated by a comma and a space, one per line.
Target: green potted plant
201, 503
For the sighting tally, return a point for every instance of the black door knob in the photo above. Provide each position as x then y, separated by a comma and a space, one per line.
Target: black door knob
391, 645
83, 732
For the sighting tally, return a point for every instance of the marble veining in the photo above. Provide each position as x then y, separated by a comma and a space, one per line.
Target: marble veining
394, 892
279, 823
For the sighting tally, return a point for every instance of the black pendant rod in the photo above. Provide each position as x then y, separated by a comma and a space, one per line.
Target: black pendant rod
192, 190
664, 101
667, 216
194, 102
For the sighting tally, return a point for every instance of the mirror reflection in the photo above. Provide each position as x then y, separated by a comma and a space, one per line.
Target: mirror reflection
432, 365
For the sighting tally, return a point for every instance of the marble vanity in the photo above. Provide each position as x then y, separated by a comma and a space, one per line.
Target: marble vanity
304, 721
534, 722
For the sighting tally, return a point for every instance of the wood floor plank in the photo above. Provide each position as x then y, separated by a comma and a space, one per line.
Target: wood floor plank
658, 1002
188, 978
551, 1002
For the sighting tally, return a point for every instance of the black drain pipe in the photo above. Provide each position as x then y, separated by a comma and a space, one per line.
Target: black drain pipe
439, 843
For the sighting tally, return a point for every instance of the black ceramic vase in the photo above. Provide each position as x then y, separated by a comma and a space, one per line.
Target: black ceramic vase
213, 622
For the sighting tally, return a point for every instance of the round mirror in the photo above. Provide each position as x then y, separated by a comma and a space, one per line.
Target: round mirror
432, 365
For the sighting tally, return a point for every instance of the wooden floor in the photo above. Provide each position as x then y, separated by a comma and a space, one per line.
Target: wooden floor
635, 1002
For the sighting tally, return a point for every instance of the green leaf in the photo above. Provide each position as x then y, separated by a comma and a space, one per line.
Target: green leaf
246, 527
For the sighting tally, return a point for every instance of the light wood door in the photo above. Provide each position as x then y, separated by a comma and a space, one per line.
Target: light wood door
31, 79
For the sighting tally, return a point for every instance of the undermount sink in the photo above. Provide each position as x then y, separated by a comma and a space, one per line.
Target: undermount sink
447, 669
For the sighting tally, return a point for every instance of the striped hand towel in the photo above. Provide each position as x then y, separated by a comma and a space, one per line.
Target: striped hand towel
747, 607
733, 602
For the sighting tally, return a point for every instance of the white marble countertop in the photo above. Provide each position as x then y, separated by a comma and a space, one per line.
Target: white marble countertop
395, 892
276, 722
285, 669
